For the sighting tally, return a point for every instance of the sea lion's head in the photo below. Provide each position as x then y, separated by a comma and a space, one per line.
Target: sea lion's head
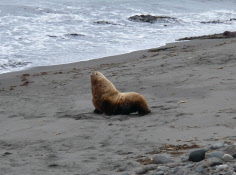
96, 76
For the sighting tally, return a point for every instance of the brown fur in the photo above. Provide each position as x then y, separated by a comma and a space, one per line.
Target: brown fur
107, 99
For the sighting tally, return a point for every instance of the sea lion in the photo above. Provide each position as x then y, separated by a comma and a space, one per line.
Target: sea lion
107, 99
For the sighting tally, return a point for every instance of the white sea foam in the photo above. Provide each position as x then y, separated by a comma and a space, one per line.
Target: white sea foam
35, 33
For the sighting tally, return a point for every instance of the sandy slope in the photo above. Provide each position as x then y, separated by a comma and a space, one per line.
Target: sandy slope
47, 125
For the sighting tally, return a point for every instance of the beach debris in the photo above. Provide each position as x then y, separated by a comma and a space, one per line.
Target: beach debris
160, 49
182, 102
174, 150
145, 161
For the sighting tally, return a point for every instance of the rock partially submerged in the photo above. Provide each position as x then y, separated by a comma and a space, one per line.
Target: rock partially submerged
152, 19
105, 23
226, 34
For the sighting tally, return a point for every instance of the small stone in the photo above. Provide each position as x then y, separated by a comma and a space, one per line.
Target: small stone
162, 168
221, 167
141, 170
161, 160
150, 167
217, 145
213, 161
190, 165
227, 157
125, 174
230, 150
160, 173
7, 153
197, 156
217, 154
184, 158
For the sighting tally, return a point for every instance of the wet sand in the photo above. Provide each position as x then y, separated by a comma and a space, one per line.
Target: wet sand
47, 124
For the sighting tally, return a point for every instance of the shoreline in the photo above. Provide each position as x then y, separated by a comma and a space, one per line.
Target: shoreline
103, 60
47, 123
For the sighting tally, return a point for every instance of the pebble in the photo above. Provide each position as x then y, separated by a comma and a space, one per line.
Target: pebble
230, 150
227, 157
160, 173
125, 174
221, 167
161, 159
162, 168
141, 170
213, 161
217, 145
197, 156
150, 167
217, 154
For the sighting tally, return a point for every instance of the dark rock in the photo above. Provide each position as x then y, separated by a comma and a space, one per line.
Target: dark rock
7, 153
104, 23
74, 34
151, 19
234, 156
213, 22
213, 161
217, 154
197, 156
229, 34
161, 160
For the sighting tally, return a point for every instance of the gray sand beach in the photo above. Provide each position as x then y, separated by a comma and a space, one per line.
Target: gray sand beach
47, 124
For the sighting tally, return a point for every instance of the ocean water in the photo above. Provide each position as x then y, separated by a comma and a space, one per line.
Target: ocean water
43, 32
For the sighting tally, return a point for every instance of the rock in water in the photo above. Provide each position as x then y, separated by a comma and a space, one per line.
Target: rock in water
197, 156
151, 19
